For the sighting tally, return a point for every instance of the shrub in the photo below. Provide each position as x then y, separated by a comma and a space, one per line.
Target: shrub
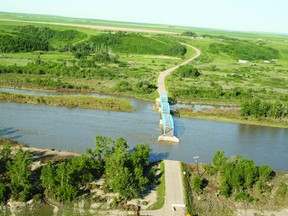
244, 197
187, 71
197, 184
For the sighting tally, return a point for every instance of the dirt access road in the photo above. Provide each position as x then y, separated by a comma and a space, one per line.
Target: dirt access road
174, 192
106, 28
163, 74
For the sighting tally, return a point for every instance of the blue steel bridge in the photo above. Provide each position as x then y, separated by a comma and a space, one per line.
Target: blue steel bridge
166, 117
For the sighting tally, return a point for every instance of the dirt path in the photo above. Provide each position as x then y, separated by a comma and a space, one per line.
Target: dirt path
107, 28
174, 191
163, 74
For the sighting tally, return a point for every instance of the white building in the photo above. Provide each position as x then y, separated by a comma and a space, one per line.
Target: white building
243, 61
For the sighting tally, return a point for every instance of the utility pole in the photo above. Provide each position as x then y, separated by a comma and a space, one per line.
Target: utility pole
196, 161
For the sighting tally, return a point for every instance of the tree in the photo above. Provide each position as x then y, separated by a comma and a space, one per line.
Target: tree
4, 157
48, 177
140, 164
189, 34
19, 174
219, 159
265, 173
187, 71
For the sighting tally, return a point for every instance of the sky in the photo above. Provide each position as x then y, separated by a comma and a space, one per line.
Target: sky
240, 15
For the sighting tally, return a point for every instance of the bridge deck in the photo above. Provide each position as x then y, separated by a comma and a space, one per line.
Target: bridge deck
167, 120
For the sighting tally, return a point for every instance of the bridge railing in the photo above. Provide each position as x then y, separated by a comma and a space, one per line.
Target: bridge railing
167, 120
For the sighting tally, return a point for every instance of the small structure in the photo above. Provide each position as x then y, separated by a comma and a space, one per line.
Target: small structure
243, 61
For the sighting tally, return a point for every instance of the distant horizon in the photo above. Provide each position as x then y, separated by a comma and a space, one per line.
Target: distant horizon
146, 23
263, 16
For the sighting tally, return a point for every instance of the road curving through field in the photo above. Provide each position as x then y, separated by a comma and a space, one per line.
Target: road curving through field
164, 74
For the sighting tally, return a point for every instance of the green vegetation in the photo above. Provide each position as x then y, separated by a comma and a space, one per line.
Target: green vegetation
197, 184
66, 180
238, 174
187, 71
133, 43
244, 51
70, 101
120, 63
30, 38
189, 34
15, 181
233, 179
230, 115
224, 81
160, 189
70, 58
259, 109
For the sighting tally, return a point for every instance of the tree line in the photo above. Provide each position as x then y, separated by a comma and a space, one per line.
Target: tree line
259, 109
136, 43
30, 38
214, 92
127, 172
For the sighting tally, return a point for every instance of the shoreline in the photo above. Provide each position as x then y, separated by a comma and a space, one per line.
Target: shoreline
70, 101
233, 119
47, 154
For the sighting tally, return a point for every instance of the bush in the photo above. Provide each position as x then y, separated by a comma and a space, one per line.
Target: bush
282, 189
187, 71
243, 197
197, 185
189, 34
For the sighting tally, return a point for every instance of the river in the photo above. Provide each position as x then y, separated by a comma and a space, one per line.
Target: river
75, 129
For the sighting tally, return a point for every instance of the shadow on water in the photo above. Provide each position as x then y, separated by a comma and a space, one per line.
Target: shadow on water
179, 127
154, 157
8, 131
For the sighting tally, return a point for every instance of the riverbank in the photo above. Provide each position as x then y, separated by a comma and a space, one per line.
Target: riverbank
40, 155
229, 115
70, 101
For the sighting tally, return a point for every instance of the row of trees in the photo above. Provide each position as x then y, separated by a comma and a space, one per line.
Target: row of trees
71, 69
127, 172
213, 92
259, 109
